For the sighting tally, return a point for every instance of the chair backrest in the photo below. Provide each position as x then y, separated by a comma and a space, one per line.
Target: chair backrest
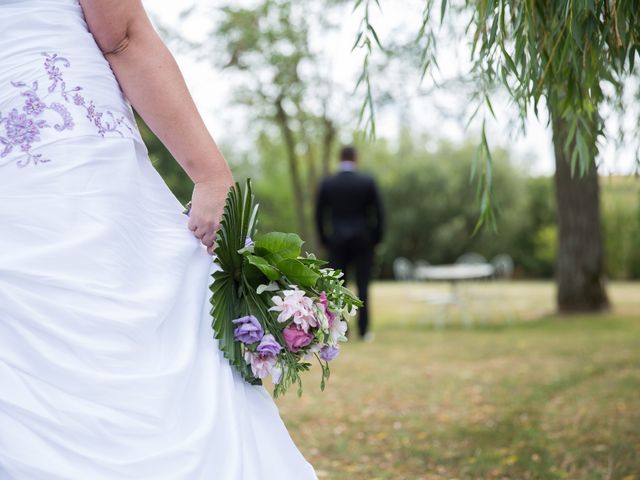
471, 258
402, 269
503, 263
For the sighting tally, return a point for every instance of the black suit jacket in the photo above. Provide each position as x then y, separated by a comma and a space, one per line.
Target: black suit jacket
349, 209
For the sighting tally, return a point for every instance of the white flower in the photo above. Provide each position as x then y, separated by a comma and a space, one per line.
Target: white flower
338, 332
349, 314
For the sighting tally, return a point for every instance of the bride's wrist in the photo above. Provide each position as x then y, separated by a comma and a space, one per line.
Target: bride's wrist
219, 181
214, 173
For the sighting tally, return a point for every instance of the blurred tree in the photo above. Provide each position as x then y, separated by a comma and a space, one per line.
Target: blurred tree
433, 203
621, 222
634, 261
269, 45
562, 52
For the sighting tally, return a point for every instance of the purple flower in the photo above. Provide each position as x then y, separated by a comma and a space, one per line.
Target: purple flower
248, 241
328, 353
268, 346
248, 329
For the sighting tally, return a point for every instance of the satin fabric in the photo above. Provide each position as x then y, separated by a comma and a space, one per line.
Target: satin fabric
108, 366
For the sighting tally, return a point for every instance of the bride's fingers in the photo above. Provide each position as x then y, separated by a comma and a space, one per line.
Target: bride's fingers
209, 239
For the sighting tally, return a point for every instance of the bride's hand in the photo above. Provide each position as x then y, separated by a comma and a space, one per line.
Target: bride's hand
207, 204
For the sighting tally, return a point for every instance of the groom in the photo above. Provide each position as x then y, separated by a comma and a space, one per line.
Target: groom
349, 219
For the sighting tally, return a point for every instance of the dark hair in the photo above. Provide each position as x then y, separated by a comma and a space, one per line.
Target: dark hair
348, 154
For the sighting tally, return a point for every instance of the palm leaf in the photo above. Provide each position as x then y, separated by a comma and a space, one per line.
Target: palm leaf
238, 221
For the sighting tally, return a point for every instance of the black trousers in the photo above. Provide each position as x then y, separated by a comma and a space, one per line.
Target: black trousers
359, 256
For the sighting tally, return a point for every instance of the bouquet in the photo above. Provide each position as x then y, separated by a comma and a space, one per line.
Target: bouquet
274, 309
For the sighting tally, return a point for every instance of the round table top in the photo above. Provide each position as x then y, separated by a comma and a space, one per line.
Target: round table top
458, 271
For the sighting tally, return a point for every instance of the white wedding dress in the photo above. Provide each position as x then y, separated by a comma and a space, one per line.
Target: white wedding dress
108, 366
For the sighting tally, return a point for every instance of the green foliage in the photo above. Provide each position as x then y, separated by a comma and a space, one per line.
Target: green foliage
177, 180
621, 226
546, 244
277, 246
366, 39
440, 224
562, 51
164, 162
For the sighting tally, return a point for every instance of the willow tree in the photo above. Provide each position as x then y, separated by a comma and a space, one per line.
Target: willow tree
572, 57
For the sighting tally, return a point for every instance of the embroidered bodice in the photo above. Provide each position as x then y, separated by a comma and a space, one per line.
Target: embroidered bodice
54, 82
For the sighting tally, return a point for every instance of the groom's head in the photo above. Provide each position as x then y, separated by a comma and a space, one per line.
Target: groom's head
348, 154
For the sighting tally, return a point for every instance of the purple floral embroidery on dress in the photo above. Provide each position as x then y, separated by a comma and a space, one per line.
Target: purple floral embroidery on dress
22, 128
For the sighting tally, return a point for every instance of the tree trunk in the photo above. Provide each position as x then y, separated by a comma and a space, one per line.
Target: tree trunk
327, 144
580, 257
296, 182
311, 244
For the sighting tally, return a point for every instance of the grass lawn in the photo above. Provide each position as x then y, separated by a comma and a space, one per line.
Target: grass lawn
520, 394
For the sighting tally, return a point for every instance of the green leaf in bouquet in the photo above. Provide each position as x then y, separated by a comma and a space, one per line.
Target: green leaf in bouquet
276, 246
224, 311
253, 275
269, 287
350, 297
265, 267
298, 273
313, 262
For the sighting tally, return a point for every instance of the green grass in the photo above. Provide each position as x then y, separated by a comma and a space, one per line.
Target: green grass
515, 396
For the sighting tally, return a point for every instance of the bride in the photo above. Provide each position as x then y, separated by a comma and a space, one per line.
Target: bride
108, 366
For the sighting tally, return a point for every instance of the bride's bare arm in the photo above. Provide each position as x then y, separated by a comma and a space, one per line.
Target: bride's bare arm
151, 80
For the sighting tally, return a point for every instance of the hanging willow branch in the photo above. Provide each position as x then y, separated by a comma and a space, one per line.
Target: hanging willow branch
562, 51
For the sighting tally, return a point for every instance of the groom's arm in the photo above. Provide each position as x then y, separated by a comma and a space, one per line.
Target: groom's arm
378, 213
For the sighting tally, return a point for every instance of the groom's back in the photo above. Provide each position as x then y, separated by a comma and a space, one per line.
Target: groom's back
348, 195
349, 201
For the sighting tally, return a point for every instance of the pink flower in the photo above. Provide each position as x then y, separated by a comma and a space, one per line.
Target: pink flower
296, 338
294, 304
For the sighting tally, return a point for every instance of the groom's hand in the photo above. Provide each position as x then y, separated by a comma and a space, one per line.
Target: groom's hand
207, 204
